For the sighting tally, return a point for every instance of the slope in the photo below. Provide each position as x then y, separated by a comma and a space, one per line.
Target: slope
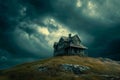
65, 68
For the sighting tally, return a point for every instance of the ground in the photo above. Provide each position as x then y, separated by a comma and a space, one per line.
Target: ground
49, 69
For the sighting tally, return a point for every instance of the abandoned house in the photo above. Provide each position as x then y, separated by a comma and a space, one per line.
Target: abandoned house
70, 45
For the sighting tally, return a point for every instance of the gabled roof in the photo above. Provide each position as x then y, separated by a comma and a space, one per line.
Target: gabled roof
65, 38
76, 36
78, 46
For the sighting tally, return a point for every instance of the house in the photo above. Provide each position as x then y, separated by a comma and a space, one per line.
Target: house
70, 45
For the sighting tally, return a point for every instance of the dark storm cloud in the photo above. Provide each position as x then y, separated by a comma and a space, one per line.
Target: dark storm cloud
28, 28
12, 14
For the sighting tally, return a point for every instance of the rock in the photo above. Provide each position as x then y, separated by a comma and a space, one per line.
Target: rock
109, 60
111, 77
42, 68
76, 69
118, 62
105, 59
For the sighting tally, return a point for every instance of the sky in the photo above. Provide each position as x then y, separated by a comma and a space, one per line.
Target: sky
28, 28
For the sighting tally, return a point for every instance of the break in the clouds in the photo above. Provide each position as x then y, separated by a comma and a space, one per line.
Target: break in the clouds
38, 38
28, 28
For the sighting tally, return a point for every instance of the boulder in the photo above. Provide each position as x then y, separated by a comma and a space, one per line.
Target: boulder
76, 69
42, 68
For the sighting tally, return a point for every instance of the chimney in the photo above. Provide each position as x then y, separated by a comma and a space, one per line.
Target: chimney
70, 39
69, 35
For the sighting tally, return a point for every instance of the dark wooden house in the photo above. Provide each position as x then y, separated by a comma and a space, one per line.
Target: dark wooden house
70, 45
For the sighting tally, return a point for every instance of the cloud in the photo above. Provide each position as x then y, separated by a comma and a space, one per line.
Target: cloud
78, 3
3, 58
102, 11
33, 37
54, 34
23, 11
43, 30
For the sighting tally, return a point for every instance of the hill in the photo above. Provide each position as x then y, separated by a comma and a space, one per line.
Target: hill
65, 68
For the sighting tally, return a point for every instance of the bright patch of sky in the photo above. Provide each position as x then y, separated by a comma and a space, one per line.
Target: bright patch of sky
43, 30
52, 35
78, 3
91, 10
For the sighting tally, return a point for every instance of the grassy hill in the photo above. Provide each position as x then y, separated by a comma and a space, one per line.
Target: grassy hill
100, 69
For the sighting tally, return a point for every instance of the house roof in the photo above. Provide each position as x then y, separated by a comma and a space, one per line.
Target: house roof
78, 46
76, 36
67, 39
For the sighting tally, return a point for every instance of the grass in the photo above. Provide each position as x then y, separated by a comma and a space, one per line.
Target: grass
28, 71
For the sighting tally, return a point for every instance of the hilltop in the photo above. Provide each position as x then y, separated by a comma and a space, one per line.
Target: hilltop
65, 68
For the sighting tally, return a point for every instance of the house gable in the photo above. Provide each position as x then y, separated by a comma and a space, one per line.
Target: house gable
76, 40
